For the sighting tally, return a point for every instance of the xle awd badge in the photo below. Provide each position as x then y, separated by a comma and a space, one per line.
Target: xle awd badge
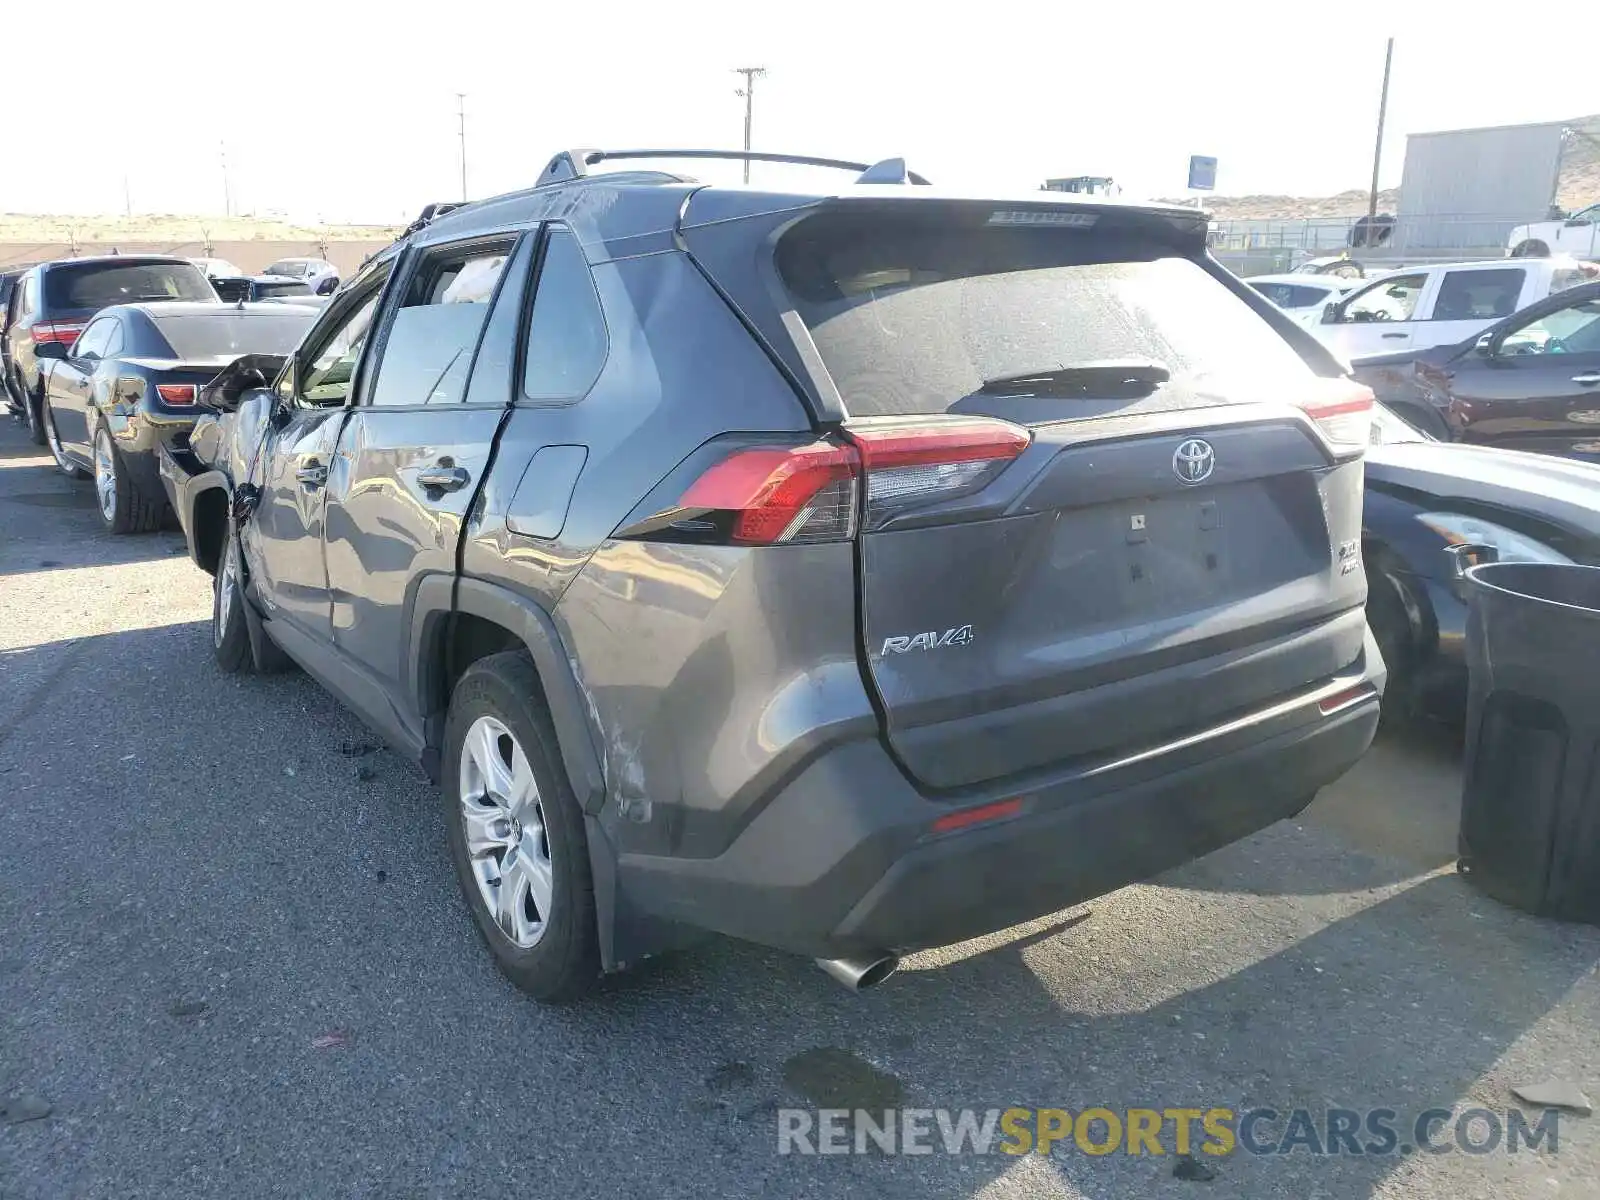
961, 635
1194, 460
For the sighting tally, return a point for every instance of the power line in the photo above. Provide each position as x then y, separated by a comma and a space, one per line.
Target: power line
748, 91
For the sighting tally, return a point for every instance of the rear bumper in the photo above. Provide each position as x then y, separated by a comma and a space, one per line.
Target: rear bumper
148, 442
844, 859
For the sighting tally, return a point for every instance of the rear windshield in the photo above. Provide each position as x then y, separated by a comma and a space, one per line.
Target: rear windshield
230, 333
282, 287
97, 285
287, 268
914, 318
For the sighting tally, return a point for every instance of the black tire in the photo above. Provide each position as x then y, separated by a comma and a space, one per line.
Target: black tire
564, 963
63, 464
32, 413
1532, 248
230, 639
129, 510
1391, 627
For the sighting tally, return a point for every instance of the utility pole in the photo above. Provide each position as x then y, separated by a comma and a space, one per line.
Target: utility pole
1377, 150
461, 120
748, 91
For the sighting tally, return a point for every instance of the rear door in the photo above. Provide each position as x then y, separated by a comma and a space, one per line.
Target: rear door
410, 460
1097, 513
1468, 300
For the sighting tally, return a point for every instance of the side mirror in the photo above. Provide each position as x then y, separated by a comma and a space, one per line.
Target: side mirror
1485, 346
328, 286
49, 350
1333, 313
243, 374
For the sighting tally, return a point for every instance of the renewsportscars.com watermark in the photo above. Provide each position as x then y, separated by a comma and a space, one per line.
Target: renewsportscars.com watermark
1159, 1131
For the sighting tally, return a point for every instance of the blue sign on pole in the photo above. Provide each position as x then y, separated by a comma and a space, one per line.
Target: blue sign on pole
1202, 173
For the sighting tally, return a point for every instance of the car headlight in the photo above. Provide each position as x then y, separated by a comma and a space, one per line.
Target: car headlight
1466, 535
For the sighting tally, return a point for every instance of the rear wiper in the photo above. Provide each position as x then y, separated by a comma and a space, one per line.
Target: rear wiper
1113, 377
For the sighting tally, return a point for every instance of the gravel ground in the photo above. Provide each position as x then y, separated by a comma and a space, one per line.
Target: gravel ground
231, 965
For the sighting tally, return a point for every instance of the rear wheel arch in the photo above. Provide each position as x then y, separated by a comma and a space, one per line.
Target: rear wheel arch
456, 622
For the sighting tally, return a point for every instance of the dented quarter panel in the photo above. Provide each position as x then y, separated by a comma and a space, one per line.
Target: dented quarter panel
718, 672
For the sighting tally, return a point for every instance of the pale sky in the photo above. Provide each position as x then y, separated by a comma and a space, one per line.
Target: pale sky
347, 111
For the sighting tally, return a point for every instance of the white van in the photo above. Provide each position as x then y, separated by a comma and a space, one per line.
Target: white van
1439, 305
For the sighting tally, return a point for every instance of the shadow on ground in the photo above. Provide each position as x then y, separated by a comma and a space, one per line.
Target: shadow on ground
262, 877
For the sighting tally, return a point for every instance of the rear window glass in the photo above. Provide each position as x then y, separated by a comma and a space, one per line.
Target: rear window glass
230, 333
287, 268
98, 285
1478, 295
916, 318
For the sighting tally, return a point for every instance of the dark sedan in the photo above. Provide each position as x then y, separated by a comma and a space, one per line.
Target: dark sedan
1529, 382
1432, 510
126, 393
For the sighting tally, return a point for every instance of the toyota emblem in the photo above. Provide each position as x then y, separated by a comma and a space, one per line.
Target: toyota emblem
1193, 460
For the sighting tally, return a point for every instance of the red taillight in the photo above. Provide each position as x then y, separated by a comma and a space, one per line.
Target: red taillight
176, 393
1342, 409
909, 462
781, 494
776, 495
61, 332
964, 817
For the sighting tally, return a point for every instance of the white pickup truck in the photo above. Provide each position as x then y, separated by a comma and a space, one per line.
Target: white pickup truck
1578, 235
1439, 305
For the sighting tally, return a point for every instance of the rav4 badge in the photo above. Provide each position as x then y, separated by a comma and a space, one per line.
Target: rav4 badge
961, 635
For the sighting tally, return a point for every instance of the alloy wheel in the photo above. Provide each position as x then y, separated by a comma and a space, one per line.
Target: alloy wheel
506, 840
105, 475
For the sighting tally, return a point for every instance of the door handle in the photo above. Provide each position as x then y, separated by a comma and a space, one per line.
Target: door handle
1394, 335
1588, 380
313, 474
443, 478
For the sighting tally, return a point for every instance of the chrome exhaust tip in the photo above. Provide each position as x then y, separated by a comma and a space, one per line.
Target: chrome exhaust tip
859, 974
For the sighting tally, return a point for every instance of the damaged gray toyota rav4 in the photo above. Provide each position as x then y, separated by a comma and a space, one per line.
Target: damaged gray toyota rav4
851, 571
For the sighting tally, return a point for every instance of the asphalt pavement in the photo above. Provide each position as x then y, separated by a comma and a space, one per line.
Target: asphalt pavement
233, 962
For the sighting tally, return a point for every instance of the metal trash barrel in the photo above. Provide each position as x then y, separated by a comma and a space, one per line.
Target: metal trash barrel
1530, 802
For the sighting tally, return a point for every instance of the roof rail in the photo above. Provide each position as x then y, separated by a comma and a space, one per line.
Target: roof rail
430, 214
573, 164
